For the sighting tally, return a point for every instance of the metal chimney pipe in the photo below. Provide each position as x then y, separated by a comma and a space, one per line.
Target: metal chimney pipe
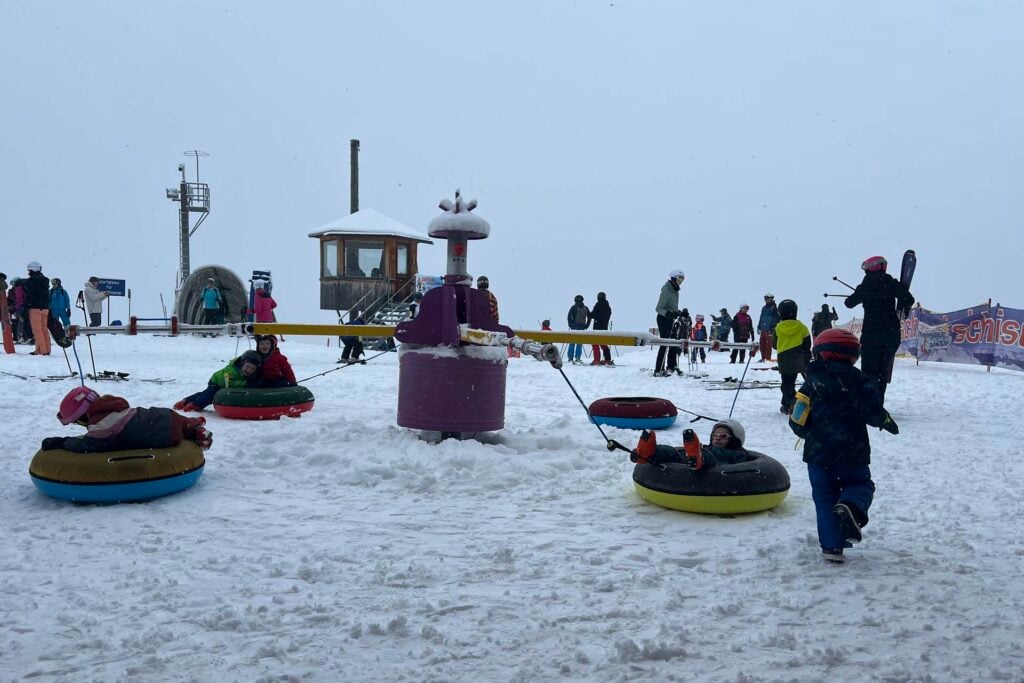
354, 175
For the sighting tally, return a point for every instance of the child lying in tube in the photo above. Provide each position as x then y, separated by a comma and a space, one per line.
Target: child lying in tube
725, 448
112, 425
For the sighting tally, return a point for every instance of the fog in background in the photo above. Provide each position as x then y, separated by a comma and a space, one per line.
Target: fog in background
757, 146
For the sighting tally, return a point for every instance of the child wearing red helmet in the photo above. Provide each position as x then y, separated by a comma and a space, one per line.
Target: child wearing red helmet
112, 425
831, 414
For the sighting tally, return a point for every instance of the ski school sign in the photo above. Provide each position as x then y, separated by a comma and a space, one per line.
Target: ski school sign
980, 335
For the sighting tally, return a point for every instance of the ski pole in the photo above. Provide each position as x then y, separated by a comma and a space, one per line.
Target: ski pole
841, 296
88, 338
70, 371
836, 278
740, 385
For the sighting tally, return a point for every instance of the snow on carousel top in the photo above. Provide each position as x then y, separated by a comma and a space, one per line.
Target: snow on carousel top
457, 221
369, 222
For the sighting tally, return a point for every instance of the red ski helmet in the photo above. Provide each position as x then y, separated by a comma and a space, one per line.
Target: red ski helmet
837, 344
76, 404
874, 264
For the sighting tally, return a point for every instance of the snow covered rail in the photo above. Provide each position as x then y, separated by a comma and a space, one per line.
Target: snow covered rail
599, 337
542, 337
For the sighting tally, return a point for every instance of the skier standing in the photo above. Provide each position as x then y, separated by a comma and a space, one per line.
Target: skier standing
578, 318
823, 320
881, 295
766, 326
601, 315
667, 309
742, 332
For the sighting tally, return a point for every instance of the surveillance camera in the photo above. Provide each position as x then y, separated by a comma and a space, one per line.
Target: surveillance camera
181, 167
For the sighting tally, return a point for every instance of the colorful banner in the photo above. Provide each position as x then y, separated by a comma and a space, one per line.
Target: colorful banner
980, 335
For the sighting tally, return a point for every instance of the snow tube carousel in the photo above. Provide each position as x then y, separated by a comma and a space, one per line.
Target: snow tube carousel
633, 412
263, 404
117, 476
752, 486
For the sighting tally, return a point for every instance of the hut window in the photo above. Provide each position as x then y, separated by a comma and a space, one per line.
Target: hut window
403, 259
364, 259
329, 258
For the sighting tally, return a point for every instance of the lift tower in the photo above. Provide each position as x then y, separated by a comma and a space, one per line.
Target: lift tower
191, 198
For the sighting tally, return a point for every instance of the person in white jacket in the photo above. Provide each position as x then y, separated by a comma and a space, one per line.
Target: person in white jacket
94, 301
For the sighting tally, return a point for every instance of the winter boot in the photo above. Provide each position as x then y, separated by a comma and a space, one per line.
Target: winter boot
833, 555
691, 446
203, 437
847, 522
644, 448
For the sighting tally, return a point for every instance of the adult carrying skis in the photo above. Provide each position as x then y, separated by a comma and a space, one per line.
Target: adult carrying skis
882, 296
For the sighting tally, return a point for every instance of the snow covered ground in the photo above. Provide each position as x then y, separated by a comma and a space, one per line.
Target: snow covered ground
340, 547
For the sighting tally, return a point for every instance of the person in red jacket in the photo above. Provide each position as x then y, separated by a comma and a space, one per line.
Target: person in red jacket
742, 331
112, 425
275, 371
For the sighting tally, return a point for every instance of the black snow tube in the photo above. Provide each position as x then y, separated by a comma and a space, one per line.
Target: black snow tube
752, 486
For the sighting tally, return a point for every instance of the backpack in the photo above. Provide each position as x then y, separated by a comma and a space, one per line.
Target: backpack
582, 314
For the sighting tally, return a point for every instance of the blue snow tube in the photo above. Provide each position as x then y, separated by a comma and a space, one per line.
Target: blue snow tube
633, 412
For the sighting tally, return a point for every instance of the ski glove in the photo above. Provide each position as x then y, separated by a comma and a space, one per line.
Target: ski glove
52, 443
890, 425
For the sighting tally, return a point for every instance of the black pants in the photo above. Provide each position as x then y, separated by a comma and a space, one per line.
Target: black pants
95, 319
353, 349
741, 352
210, 316
664, 331
788, 390
876, 359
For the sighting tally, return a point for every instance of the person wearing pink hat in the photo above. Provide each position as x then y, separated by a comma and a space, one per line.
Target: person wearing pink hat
112, 425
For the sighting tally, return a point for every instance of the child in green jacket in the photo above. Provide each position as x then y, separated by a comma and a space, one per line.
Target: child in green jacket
237, 373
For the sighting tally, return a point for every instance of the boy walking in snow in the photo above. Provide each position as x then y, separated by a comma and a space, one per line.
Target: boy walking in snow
831, 414
792, 341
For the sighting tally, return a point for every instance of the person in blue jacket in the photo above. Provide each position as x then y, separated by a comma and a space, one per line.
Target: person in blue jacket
60, 302
212, 302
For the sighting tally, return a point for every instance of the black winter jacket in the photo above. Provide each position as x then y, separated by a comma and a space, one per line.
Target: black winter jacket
880, 294
601, 314
571, 317
37, 290
843, 402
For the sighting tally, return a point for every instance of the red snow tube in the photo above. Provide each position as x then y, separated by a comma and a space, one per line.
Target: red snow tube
634, 412
263, 404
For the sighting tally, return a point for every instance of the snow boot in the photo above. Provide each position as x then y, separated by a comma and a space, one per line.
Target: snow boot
204, 438
834, 555
847, 522
691, 446
644, 448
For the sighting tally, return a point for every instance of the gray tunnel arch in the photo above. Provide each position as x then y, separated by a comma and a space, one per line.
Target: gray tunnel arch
189, 304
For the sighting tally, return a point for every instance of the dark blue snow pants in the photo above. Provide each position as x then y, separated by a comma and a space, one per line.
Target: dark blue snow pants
831, 484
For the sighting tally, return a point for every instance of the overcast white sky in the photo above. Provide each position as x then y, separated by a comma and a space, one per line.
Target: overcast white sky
757, 146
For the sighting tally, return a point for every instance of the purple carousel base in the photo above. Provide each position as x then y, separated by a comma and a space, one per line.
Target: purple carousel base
450, 391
